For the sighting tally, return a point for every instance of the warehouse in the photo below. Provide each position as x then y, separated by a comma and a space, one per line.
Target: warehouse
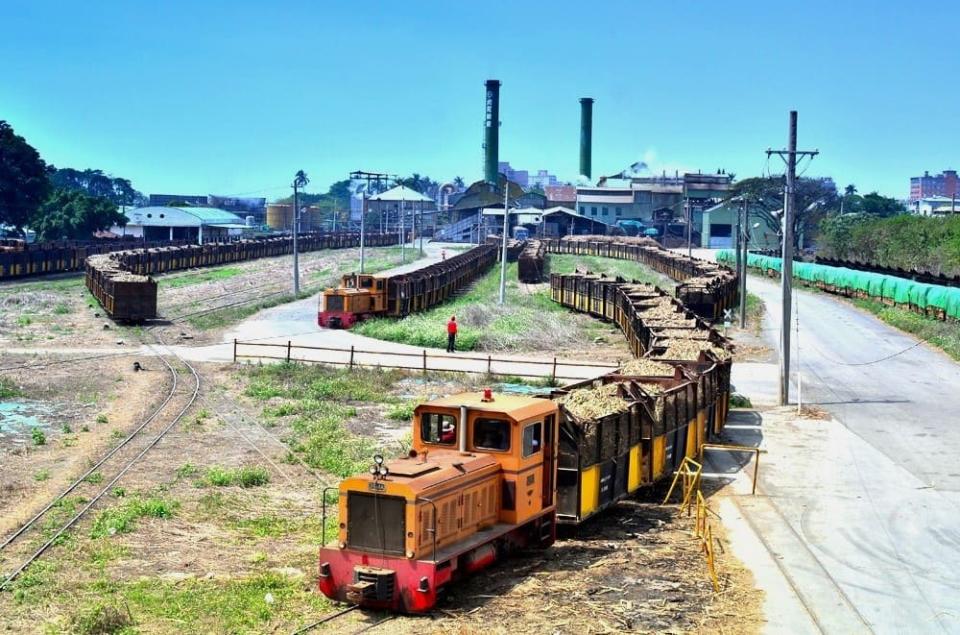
194, 224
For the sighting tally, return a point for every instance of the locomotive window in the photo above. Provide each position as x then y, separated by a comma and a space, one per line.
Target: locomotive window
366, 283
334, 302
531, 439
438, 428
491, 434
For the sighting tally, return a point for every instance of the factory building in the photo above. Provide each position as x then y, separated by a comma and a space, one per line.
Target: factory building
719, 227
384, 210
653, 201
193, 224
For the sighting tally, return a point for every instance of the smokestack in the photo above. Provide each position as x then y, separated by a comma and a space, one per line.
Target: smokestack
491, 132
586, 135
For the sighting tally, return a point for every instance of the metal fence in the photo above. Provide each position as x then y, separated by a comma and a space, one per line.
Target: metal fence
423, 361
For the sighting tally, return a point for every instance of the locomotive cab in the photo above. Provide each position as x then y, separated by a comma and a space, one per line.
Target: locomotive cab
479, 482
357, 297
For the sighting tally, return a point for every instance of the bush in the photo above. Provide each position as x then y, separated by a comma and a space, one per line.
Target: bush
122, 519
243, 477
101, 619
39, 438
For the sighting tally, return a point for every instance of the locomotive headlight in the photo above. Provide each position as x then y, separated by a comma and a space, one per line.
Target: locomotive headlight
378, 459
374, 470
383, 470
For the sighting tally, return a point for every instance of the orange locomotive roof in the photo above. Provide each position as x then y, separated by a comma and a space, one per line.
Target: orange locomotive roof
518, 407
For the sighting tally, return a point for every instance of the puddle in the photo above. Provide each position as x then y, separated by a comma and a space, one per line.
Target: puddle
19, 416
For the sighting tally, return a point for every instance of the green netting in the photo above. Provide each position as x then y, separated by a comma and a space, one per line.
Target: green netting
899, 288
937, 297
953, 303
918, 294
726, 255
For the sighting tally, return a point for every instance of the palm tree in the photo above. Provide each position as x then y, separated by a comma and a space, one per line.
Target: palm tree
458, 181
300, 180
850, 190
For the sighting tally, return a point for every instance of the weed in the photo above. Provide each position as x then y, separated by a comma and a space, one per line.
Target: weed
94, 478
101, 619
243, 477
102, 418
66, 429
740, 401
24, 320
116, 435
187, 470
39, 438
119, 492
403, 411
8, 390
270, 526
61, 309
84, 428
41, 475
122, 519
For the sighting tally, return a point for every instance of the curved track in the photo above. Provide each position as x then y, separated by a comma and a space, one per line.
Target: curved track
140, 434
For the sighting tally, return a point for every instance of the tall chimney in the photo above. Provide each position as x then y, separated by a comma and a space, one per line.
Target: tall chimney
586, 135
491, 132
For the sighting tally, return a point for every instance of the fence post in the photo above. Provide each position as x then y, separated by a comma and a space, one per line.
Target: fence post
351, 357
234, 350
424, 361
553, 374
288, 351
489, 364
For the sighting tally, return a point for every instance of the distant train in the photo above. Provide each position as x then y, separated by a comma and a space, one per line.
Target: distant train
361, 296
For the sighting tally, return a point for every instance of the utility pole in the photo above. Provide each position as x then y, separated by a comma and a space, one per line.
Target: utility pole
786, 272
689, 214
503, 251
403, 237
738, 237
745, 241
377, 176
299, 180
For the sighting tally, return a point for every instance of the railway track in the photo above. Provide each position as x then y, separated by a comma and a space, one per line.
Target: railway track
118, 461
327, 619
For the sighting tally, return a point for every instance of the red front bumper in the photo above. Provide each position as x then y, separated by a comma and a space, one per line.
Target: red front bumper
387, 583
336, 319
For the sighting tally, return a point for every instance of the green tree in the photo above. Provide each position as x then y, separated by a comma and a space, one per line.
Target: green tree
96, 183
816, 198
23, 179
875, 204
459, 183
72, 214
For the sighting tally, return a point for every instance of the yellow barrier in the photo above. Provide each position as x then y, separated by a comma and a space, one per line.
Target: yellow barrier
689, 475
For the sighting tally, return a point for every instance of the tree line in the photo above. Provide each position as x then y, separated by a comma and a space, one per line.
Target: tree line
57, 203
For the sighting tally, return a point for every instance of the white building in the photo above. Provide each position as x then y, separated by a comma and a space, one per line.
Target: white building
935, 206
194, 224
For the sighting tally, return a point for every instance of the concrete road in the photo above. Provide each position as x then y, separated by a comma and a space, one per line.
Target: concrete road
862, 512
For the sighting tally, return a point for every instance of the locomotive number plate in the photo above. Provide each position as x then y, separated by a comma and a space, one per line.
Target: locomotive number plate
376, 486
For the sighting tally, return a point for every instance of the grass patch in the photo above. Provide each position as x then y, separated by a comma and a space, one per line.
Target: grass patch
61, 309
527, 321
8, 389
101, 619
101, 418
24, 320
122, 519
264, 603
272, 526
207, 275
41, 475
568, 263
943, 335
245, 477
320, 400
403, 411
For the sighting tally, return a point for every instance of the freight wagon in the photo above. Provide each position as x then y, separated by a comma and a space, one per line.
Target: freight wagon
363, 296
703, 287
531, 263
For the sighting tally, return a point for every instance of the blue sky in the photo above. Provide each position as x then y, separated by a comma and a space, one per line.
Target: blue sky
234, 97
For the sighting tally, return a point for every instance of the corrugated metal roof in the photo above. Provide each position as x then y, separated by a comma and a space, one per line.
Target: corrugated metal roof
400, 193
157, 216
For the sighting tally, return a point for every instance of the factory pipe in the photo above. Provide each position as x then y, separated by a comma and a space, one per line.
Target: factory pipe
491, 132
586, 135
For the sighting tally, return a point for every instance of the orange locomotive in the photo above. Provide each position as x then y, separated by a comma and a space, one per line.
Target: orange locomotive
480, 481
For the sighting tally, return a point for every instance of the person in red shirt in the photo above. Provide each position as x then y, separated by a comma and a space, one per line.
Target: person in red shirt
452, 334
